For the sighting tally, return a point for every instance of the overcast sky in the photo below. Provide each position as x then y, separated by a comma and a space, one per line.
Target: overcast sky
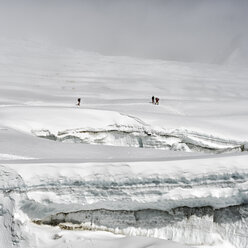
191, 30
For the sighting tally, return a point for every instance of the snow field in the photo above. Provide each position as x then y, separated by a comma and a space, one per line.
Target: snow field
202, 107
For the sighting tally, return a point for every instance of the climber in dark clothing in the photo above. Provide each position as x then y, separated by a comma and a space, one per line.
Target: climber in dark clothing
152, 99
157, 101
79, 100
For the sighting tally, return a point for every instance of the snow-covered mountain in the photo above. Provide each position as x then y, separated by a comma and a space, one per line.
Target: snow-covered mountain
119, 165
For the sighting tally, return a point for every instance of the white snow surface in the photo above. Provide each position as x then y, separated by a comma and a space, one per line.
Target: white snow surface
201, 105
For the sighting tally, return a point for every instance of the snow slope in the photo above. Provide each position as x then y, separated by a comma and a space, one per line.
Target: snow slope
67, 191
205, 98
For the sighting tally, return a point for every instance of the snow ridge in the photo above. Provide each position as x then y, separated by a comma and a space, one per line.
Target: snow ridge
117, 135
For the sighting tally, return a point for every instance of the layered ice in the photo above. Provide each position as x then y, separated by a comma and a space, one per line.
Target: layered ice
197, 226
112, 128
170, 200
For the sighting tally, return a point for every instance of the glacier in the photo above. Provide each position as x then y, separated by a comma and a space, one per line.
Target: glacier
119, 171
